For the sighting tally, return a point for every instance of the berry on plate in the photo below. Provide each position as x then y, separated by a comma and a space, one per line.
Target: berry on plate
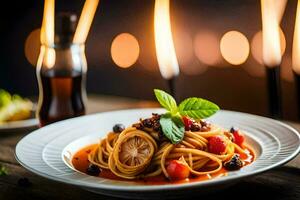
216, 144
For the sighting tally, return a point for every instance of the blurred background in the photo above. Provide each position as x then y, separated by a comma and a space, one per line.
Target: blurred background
218, 46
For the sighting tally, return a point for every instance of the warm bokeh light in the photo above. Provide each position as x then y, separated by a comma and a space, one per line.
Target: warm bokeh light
270, 33
256, 46
32, 46
184, 48
234, 47
125, 50
165, 51
194, 68
206, 47
296, 43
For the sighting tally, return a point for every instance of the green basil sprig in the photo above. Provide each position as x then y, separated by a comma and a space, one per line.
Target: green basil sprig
171, 122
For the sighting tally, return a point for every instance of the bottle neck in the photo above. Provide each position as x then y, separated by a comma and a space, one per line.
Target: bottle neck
63, 40
65, 26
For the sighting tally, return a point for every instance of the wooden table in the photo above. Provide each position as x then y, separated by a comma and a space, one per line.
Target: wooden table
281, 183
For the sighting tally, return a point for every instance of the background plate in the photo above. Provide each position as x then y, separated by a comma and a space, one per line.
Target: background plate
28, 124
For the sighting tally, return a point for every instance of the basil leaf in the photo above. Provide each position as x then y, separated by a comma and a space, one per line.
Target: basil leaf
197, 108
172, 127
166, 101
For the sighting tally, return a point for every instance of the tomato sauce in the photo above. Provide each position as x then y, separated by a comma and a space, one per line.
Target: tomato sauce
81, 163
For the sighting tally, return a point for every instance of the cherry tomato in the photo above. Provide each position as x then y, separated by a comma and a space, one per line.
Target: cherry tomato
216, 144
177, 170
239, 138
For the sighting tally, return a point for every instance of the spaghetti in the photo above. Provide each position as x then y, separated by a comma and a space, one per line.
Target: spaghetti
142, 151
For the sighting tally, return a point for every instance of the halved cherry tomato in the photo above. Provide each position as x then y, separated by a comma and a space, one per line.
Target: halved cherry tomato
178, 170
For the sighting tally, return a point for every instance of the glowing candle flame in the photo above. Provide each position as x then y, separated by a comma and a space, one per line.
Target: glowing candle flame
47, 53
47, 30
271, 34
296, 43
165, 51
85, 21
280, 7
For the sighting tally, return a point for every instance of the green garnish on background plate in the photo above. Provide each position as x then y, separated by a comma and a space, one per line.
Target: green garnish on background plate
14, 107
171, 122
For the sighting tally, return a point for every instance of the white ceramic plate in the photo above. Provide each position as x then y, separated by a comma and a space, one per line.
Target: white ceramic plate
48, 151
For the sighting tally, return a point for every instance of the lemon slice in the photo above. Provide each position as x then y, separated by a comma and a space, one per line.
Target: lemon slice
135, 151
132, 153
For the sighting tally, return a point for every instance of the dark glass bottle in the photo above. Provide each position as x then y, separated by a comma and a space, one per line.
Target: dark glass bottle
61, 71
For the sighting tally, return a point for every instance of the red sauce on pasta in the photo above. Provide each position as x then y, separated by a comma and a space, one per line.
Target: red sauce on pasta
81, 163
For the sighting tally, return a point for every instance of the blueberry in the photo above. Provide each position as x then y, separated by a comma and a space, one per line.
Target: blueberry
234, 163
118, 128
93, 170
233, 129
